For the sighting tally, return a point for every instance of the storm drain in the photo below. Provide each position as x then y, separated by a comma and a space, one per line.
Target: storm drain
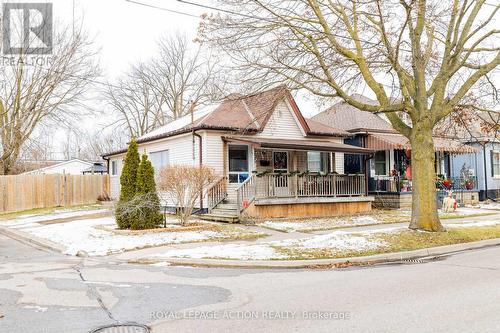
122, 328
423, 260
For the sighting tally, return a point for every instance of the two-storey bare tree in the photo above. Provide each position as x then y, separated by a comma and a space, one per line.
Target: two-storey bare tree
422, 59
161, 89
34, 91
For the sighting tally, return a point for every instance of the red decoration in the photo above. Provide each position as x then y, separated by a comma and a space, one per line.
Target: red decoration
408, 153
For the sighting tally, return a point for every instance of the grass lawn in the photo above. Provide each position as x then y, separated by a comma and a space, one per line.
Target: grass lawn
376, 217
405, 240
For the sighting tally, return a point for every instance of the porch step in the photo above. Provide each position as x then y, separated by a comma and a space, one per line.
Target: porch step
220, 217
225, 211
228, 205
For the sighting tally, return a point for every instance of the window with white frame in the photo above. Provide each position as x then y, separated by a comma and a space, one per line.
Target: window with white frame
380, 163
317, 161
114, 168
495, 163
159, 160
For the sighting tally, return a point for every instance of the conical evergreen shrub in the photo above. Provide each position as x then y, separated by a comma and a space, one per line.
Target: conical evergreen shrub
148, 210
128, 183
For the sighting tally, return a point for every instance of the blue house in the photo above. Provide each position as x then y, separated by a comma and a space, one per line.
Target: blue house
485, 163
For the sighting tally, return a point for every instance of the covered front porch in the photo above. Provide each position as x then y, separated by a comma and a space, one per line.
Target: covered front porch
294, 178
390, 171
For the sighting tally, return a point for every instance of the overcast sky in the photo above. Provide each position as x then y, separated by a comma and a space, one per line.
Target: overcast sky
127, 32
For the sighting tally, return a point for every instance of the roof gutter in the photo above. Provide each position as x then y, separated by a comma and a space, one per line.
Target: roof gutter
200, 160
107, 164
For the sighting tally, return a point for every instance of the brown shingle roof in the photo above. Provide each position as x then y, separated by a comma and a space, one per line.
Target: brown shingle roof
349, 118
247, 114
317, 128
243, 114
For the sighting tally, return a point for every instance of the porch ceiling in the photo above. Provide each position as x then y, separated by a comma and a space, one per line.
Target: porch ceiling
310, 145
385, 141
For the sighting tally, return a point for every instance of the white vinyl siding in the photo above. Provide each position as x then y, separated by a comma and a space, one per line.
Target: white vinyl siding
213, 151
282, 124
182, 149
114, 179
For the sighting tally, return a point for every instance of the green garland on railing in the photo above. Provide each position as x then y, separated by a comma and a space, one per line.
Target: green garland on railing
262, 173
292, 173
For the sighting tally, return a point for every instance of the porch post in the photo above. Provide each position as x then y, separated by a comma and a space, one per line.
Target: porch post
295, 177
225, 167
367, 175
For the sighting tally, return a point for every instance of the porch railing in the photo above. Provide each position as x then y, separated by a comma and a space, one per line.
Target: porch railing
217, 192
245, 193
397, 185
311, 185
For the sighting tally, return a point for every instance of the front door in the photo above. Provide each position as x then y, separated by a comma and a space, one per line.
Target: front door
280, 168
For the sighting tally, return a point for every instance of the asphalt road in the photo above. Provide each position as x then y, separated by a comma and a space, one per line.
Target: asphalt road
42, 292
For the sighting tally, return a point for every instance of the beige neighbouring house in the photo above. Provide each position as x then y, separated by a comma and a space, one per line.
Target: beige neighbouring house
271, 161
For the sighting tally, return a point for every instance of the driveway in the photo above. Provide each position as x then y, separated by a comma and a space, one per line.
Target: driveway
47, 292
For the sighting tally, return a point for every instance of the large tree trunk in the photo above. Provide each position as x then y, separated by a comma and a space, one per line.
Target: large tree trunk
424, 204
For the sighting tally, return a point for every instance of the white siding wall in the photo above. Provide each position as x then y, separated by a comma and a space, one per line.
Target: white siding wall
282, 124
114, 180
213, 150
182, 151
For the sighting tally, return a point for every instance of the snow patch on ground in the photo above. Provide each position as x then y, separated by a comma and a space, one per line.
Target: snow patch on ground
321, 223
81, 235
490, 206
161, 264
230, 251
36, 308
472, 224
338, 241
32, 219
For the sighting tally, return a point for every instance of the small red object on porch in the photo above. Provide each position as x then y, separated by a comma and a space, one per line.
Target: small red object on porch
245, 204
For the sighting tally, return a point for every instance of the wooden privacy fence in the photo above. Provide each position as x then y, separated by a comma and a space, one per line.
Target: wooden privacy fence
23, 192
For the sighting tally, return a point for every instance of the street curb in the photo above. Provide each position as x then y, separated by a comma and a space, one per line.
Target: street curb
326, 263
31, 240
